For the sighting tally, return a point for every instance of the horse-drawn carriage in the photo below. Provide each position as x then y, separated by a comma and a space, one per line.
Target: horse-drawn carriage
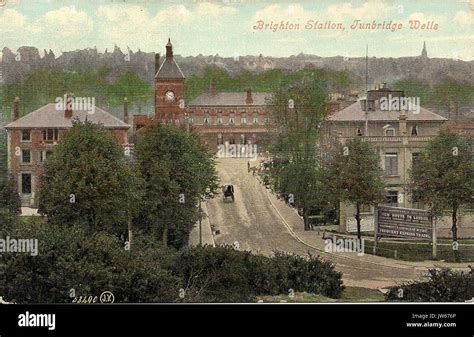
228, 192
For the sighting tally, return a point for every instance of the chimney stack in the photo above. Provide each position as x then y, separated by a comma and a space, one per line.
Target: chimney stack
16, 109
68, 108
125, 110
212, 89
157, 62
249, 99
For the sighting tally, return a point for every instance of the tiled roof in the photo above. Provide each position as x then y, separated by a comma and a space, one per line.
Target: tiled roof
235, 129
355, 113
229, 99
49, 117
169, 69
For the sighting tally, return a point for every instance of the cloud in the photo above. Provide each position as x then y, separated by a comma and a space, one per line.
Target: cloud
464, 18
63, 23
11, 22
425, 18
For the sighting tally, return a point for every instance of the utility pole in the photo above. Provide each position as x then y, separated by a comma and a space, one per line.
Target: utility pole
366, 90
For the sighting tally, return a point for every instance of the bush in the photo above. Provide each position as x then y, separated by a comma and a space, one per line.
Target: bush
444, 285
223, 274
72, 261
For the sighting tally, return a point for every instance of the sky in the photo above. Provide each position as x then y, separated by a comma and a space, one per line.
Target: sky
231, 27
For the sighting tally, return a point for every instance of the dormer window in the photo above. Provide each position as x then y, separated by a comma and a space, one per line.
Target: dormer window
206, 118
390, 132
414, 130
219, 119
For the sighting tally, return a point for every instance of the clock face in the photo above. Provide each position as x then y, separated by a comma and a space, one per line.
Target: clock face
169, 96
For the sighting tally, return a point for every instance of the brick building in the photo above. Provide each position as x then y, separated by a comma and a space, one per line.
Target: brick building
218, 117
31, 139
398, 136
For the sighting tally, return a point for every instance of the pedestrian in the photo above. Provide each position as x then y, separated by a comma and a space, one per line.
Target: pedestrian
248, 167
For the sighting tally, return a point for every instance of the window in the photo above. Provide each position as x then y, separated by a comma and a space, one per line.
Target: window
26, 156
219, 119
231, 118
44, 155
139, 126
26, 183
414, 159
26, 136
206, 118
391, 164
416, 201
365, 208
255, 118
190, 118
358, 132
220, 139
390, 132
414, 130
392, 198
243, 138
50, 135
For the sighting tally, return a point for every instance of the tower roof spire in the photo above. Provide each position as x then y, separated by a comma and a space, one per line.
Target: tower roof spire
424, 53
169, 49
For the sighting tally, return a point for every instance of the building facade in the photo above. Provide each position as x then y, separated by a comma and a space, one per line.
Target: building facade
31, 139
398, 136
219, 118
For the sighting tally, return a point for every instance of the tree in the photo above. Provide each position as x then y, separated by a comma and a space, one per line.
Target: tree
452, 94
298, 109
413, 87
354, 175
443, 177
73, 262
9, 198
86, 181
177, 173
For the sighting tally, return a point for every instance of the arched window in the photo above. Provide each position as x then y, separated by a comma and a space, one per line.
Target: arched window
414, 130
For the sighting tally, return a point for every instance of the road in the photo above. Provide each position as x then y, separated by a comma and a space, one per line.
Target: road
261, 223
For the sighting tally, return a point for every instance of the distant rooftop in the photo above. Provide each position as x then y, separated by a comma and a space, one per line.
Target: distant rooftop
49, 117
229, 99
354, 112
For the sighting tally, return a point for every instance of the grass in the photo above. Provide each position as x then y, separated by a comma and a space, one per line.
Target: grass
421, 251
350, 294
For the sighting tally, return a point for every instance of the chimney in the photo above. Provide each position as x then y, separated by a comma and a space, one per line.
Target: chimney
125, 110
16, 109
249, 99
68, 108
157, 62
212, 89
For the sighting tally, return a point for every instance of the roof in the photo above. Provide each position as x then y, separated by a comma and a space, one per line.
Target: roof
354, 113
229, 99
169, 69
49, 117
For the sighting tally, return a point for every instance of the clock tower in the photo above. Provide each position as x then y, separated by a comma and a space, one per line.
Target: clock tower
169, 89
